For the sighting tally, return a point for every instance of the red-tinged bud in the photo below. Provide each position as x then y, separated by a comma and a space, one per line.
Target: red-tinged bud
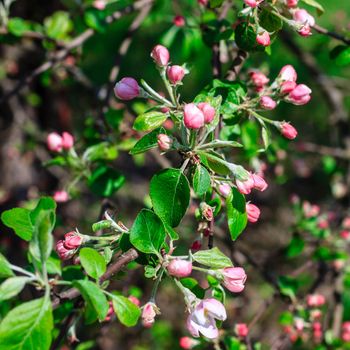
193, 116
253, 3
196, 245
267, 102
160, 55
258, 79
234, 278
305, 31
206, 211
300, 95
67, 141
288, 131
203, 2
110, 312
310, 210
134, 300
299, 324
54, 142
188, 343
303, 17
253, 212
259, 183
346, 223
127, 89
175, 74
315, 300
60, 196
149, 312
346, 327
263, 39
168, 124
288, 73
164, 142
323, 224
287, 87
179, 21
179, 268
345, 337
345, 234
63, 252
315, 314
72, 240
245, 187
241, 330
292, 3
225, 190
208, 111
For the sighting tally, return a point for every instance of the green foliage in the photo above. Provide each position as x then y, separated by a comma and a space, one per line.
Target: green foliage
5, 269
201, 180
127, 312
19, 220
149, 121
147, 142
93, 263
58, 25
213, 258
245, 36
12, 286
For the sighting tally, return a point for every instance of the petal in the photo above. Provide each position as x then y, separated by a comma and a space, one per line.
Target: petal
198, 315
192, 327
209, 330
215, 308
234, 287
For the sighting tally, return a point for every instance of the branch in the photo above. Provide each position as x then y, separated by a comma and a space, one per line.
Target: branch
334, 35
236, 65
115, 267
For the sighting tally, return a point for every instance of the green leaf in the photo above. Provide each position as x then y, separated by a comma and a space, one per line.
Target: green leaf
93, 263
245, 36
101, 151
236, 213
341, 55
170, 195
12, 286
27, 326
201, 180
269, 21
94, 297
149, 121
58, 25
104, 181
147, 142
295, 247
288, 286
17, 26
19, 220
316, 5
171, 232
95, 19
127, 312
213, 258
147, 233
5, 269
193, 286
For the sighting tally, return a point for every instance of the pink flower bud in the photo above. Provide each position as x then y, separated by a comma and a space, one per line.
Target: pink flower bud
67, 141
164, 142
288, 131
134, 300
60, 196
175, 74
267, 102
300, 95
225, 190
110, 312
188, 343
196, 245
288, 73
208, 111
345, 234
161, 55
259, 183
253, 212
193, 116
310, 210
315, 314
258, 79
99, 4
241, 330
149, 312
315, 300
299, 324
179, 268
303, 17
203, 2
234, 278
127, 89
263, 39
346, 327
291, 3
72, 240
179, 21
206, 211
245, 187
316, 326
63, 252
323, 224
287, 87
345, 337
346, 223
305, 31
54, 142
253, 3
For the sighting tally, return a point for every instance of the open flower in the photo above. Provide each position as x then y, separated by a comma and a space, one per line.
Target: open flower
202, 318
234, 278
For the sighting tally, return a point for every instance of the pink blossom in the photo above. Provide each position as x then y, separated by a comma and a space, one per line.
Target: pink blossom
127, 89
315, 300
253, 3
67, 141
241, 330
208, 111
346, 223
299, 324
149, 312
345, 234
110, 312
245, 187
161, 55
225, 190
54, 142
188, 343
202, 2
72, 240
267, 102
202, 319
179, 268
99, 4
288, 73
310, 210
164, 142
346, 327
287, 87
303, 17
345, 337
175, 74
196, 245
193, 116
234, 278
263, 39
258, 79
259, 183
62, 251
134, 300
288, 131
300, 95
179, 21
60, 196
253, 212
291, 3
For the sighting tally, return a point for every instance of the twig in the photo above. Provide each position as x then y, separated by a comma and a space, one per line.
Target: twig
334, 35
236, 65
323, 150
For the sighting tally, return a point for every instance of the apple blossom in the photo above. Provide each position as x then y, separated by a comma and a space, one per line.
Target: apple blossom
253, 212
127, 89
288, 131
175, 74
179, 268
241, 330
300, 95
164, 142
258, 79
225, 190
54, 142
288, 73
267, 102
263, 38
161, 55
234, 278
179, 21
208, 111
149, 312
193, 116
60, 196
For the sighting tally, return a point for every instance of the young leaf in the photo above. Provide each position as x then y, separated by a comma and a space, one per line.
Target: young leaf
149, 121
147, 142
93, 263
147, 233
5, 269
236, 213
316, 5
128, 313
201, 180
94, 297
27, 326
170, 195
213, 258
12, 286
171, 232
19, 220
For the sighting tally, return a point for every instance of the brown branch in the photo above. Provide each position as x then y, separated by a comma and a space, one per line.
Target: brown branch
115, 267
323, 150
333, 35
236, 65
